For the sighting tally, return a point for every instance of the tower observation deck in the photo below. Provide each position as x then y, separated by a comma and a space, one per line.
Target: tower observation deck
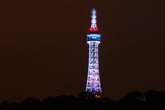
93, 84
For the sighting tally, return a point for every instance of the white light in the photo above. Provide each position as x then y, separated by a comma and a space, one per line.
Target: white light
93, 21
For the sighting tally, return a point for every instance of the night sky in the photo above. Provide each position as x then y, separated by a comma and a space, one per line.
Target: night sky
43, 49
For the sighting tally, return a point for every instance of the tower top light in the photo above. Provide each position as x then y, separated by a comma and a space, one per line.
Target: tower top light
93, 28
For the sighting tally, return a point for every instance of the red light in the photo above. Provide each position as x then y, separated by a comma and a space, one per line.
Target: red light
93, 29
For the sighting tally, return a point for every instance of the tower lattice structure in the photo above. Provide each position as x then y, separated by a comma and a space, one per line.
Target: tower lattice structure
93, 84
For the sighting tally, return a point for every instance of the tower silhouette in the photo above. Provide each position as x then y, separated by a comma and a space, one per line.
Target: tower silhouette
93, 84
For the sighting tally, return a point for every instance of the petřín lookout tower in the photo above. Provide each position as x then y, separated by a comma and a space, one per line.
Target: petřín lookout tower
93, 84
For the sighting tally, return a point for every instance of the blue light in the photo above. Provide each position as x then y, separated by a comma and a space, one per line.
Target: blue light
93, 37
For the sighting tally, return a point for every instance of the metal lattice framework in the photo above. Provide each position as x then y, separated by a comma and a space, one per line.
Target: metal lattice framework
93, 39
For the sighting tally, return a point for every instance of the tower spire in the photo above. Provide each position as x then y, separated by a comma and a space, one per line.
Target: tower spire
93, 27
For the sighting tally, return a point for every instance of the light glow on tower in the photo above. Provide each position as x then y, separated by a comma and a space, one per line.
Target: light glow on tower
93, 84
93, 27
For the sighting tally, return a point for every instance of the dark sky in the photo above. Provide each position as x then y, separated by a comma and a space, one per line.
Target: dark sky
43, 49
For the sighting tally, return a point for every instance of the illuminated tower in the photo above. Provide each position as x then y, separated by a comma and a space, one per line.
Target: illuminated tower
93, 39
